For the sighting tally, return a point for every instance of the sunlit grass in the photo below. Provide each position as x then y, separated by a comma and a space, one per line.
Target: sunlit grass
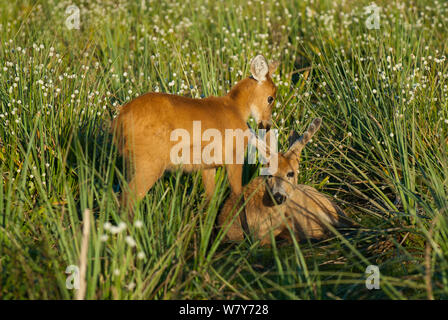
381, 153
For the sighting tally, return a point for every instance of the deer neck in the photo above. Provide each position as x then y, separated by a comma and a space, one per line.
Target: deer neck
241, 95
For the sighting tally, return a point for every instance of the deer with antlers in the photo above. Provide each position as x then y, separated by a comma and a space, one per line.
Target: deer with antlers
277, 204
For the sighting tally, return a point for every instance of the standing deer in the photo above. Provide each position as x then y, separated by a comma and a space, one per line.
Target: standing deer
144, 131
275, 203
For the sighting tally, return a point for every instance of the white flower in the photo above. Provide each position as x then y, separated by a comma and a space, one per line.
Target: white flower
130, 241
131, 286
141, 255
138, 224
117, 229
114, 230
107, 226
122, 226
104, 237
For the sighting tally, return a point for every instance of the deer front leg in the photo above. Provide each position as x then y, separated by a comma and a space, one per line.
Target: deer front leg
208, 178
235, 175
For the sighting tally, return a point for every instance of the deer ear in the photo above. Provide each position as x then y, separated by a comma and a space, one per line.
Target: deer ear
315, 125
296, 145
259, 68
293, 137
273, 66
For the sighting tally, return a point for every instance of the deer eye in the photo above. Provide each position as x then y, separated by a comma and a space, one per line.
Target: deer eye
290, 174
270, 99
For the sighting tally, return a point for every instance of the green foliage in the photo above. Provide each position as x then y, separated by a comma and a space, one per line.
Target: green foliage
382, 151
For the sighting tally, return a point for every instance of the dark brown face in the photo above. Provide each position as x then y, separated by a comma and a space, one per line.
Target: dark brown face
281, 183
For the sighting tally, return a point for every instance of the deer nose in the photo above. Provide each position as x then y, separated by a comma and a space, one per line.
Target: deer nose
268, 127
262, 126
279, 198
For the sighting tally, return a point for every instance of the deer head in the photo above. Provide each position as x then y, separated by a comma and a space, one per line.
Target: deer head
281, 183
262, 97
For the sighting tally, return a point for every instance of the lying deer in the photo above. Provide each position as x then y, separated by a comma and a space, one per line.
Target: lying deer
276, 202
145, 126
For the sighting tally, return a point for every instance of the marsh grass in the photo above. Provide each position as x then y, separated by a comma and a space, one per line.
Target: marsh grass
382, 151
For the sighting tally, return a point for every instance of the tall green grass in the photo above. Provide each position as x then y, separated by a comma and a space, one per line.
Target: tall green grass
382, 151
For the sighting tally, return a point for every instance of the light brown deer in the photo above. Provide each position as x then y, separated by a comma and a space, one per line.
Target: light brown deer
276, 203
144, 131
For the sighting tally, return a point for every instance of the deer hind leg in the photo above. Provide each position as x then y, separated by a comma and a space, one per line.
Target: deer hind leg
145, 176
235, 176
208, 178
